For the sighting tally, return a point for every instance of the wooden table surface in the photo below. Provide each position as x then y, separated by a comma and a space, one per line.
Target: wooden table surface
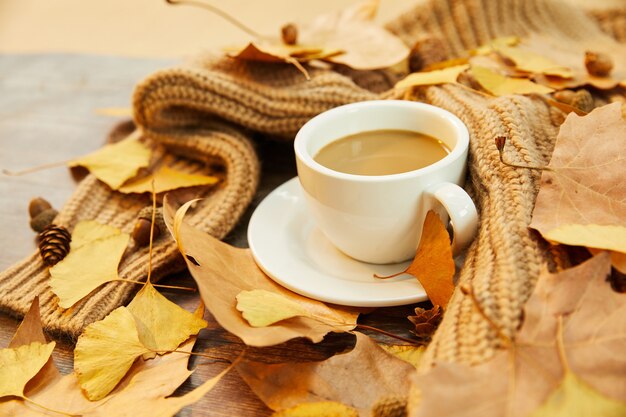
48, 107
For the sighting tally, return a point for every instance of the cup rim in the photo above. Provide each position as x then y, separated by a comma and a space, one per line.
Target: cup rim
303, 135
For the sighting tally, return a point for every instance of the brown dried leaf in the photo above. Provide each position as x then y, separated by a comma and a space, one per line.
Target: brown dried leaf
222, 272
356, 379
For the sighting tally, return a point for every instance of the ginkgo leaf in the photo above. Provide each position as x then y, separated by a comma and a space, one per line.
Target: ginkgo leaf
582, 199
161, 324
166, 179
19, 365
495, 43
440, 76
115, 163
87, 231
575, 398
501, 85
318, 409
86, 268
105, 351
433, 265
408, 353
529, 61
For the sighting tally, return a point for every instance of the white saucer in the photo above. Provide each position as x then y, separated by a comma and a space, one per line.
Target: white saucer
288, 246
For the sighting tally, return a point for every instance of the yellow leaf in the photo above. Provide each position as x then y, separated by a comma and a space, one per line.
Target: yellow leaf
86, 268
115, 111
500, 85
161, 324
87, 231
574, 398
442, 76
115, 164
495, 43
318, 409
105, 352
166, 179
408, 353
19, 365
528, 61
263, 308
611, 237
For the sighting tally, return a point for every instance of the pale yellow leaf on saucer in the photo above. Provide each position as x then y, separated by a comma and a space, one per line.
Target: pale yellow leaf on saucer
87, 231
19, 365
501, 85
610, 237
263, 308
114, 164
86, 268
166, 179
318, 409
441, 76
105, 352
529, 61
408, 353
162, 325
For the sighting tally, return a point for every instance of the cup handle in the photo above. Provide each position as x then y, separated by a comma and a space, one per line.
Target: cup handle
461, 210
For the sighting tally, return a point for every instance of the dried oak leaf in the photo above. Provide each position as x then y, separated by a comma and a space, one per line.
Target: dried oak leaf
115, 163
166, 179
433, 265
222, 272
572, 339
426, 321
357, 378
582, 198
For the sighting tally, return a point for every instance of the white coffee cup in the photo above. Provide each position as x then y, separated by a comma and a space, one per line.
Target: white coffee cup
378, 219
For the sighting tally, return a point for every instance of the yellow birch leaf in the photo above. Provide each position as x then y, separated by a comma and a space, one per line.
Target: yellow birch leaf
528, 61
575, 398
86, 268
263, 308
410, 354
87, 231
500, 85
442, 76
318, 409
105, 352
611, 237
162, 325
166, 179
19, 365
114, 164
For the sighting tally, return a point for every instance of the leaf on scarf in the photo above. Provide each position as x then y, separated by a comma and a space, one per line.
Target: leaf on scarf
495, 43
166, 179
440, 76
87, 231
531, 62
581, 199
433, 265
222, 272
408, 353
19, 365
105, 351
86, 268
500, 85
318, 409
357, 378
115, 163
576, 309
161, 324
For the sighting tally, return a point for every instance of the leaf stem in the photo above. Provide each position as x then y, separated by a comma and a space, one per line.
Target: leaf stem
152, 220
28, 400
35, 169
172, 287
500, 142
395, 336
560, 346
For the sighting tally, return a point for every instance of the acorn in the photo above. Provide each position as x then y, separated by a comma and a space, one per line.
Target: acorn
289, 34
41, 214
141, 231
598, 64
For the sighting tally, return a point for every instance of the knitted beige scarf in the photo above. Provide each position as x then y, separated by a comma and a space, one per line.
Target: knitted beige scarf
203, 111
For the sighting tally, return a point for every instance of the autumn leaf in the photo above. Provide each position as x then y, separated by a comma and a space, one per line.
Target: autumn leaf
115, 163
18, 365
492, 45
222, 272
318, 409
105, 351
357, 378
161, 324
440, 76
433, 265
408, 353
501, 85
87, 267
87, 231
581, 199
166, 179
531, 62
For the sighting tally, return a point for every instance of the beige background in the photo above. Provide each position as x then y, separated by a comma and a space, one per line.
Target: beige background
151, 28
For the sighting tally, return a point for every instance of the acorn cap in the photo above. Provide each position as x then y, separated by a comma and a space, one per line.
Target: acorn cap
37, 206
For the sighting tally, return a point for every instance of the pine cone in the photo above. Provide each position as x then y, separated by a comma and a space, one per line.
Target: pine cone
426, 321
54, 244
393, 406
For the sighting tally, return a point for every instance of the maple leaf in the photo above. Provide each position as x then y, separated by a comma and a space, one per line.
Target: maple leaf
582, 199
357, 378
222, 272
501, 85
433, 264
166, 179
115, 163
